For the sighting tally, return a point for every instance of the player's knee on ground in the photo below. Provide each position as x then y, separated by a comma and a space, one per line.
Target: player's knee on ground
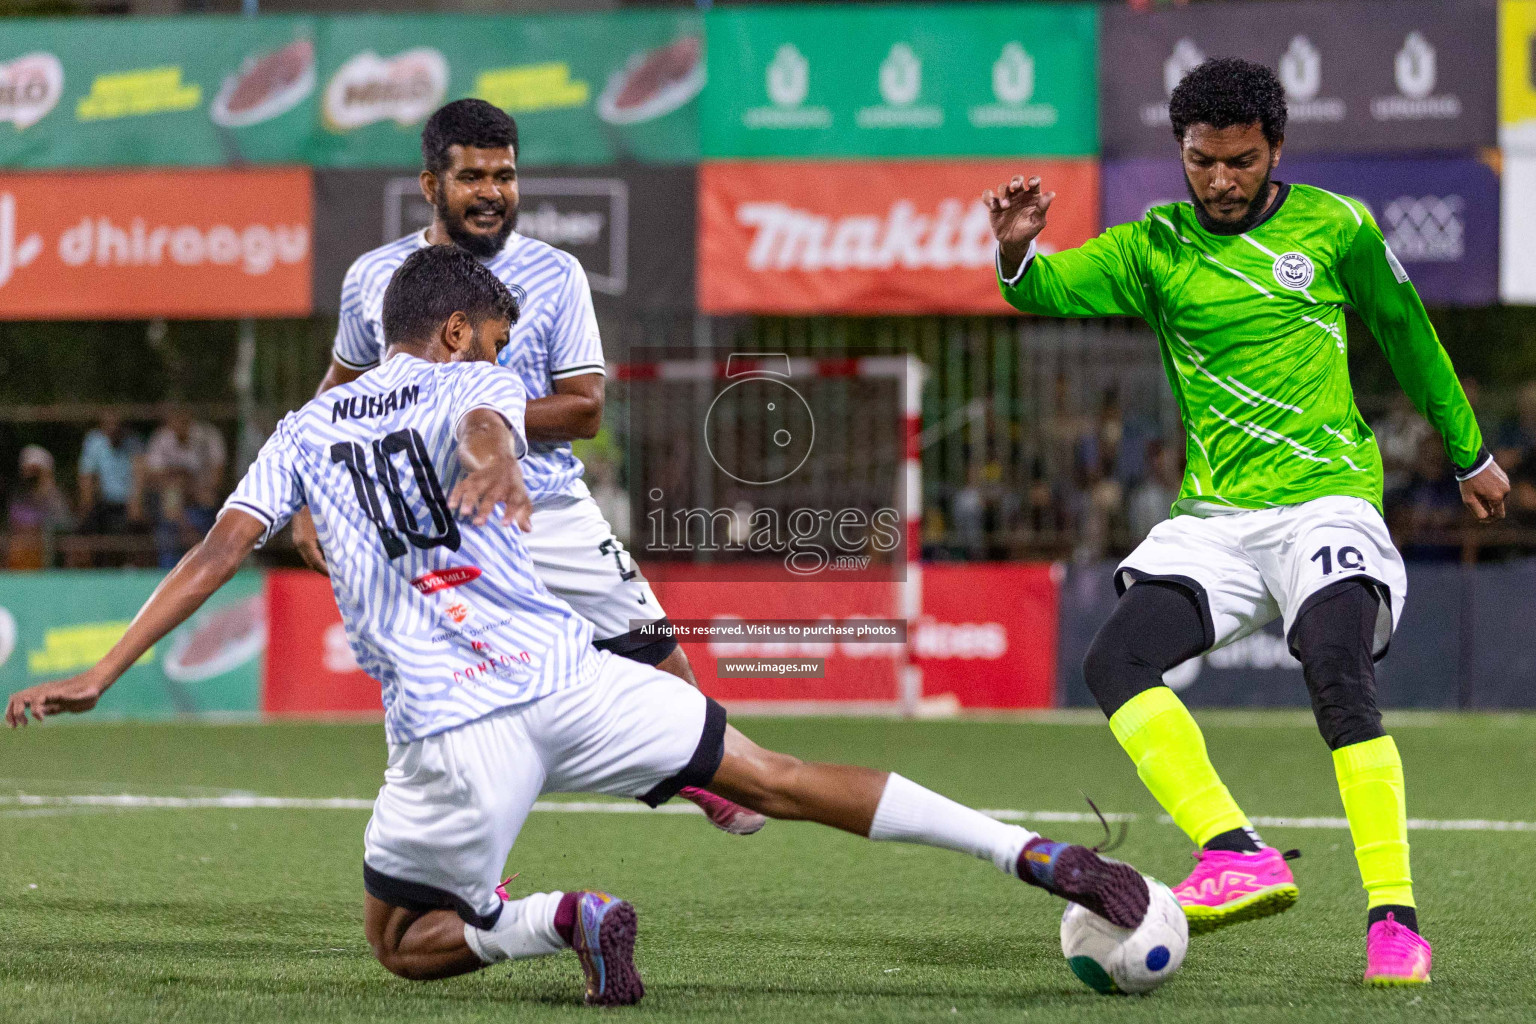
1156, 625
1333, 637
651, 644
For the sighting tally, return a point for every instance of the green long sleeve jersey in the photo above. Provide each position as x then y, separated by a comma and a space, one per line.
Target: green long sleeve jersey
1251, 331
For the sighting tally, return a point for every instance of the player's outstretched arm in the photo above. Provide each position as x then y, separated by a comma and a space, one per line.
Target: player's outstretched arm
573, 413
203, 570
488, 450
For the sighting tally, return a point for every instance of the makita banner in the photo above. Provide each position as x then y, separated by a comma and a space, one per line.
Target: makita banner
632, 227
887, 237
1366, 77
1440, 214
847, 80
188, 244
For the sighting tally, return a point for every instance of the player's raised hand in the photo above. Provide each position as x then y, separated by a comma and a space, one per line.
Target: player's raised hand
1484, 493
76, 694
1017, 210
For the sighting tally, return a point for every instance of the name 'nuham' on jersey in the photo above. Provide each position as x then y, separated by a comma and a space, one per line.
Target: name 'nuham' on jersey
1251, 332
556, 334
449, 617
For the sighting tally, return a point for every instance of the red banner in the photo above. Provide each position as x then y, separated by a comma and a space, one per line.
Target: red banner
186, 244
986, 638
908, 236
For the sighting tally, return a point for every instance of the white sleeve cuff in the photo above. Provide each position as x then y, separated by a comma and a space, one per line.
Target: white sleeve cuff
1481, 465
1029, 256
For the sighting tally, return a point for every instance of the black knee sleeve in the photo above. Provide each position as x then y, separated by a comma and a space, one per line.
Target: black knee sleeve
1334, 638
651, 644
1156, 625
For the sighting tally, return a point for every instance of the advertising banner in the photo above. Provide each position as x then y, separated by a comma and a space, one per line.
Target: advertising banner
57, 624
1517, 76
585, 89
982, 651
166, 91
347, 91
1367, 77
942, 80
1517, 257
873, 237
130, 245
631, 226
1440, 214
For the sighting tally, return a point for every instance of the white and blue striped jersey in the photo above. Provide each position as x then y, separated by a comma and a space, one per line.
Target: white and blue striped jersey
555, 336
449, 617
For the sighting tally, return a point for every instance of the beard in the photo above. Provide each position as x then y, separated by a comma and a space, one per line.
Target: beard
476, 244
1251, 216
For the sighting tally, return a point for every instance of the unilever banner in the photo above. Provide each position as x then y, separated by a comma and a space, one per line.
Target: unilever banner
951, 80
343, 91
1365, 77
1440, 214
57, 624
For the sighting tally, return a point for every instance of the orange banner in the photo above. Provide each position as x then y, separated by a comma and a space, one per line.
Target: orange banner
908, 236
183, 244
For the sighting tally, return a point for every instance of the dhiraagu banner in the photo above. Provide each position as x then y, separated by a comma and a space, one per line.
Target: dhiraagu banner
1517, 76
893, 81
57, 624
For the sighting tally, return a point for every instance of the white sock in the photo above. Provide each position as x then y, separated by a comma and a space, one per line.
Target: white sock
908, 813
525, 928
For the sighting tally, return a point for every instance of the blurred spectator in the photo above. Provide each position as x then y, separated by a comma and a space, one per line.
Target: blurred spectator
1102, 499
111, 479
1400, 436
37, 513
968, 516
1152, 499
185, 464
1429, 506
1516, 439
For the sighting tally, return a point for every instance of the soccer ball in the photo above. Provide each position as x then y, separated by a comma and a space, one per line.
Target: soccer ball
1114, 960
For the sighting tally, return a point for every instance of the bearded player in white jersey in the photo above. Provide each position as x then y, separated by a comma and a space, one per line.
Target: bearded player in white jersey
493, 691
469, 152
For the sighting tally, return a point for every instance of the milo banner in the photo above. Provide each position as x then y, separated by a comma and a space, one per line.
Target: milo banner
631, 226
950, 80
58, 624
1366, 77
1440, 214
343, 91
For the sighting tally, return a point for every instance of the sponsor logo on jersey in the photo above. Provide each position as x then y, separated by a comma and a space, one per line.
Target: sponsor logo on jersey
30, 86
1293, 270
442, 579
369, 88
458, 612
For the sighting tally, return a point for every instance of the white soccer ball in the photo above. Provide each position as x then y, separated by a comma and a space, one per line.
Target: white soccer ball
1115, 960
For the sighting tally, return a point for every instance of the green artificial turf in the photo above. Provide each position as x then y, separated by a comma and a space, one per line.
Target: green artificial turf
255, 915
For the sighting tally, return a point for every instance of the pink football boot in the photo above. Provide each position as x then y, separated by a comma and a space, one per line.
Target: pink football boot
1229, 888
1395, 955
722, 813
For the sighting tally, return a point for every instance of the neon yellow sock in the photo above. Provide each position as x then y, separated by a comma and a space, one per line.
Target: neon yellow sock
1371, 784
1161, 736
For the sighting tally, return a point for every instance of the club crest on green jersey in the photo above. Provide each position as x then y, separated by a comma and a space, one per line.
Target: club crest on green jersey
1293, 270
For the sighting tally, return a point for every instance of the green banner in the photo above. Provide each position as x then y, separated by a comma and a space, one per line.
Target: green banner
344, 91
57, 624
953, 80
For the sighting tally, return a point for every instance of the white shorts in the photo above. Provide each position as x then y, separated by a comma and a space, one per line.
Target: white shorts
452, 804
581, 562
1247, 568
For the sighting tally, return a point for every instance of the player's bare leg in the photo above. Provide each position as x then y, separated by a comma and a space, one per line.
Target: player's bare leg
724, 814
428, 945
886, 806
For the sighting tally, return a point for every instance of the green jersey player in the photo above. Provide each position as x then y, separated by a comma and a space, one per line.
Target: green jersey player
1279, 514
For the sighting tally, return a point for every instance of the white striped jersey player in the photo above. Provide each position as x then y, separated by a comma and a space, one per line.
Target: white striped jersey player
449, 617
556, 336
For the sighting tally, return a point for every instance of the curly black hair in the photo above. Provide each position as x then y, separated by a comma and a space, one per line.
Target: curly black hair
1227, 91
433, 284
469, 122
